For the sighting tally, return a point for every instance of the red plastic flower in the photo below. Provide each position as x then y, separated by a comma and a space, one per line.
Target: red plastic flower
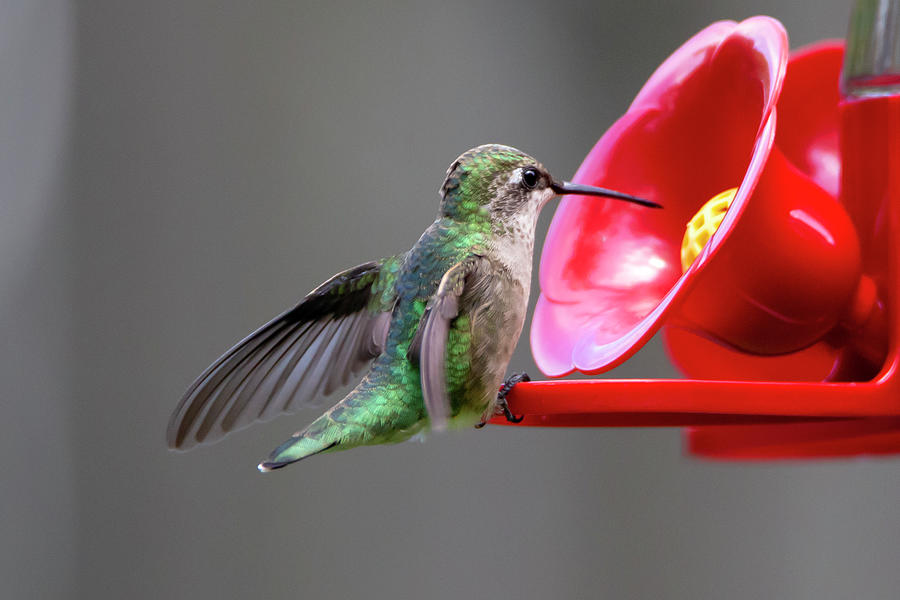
704, 122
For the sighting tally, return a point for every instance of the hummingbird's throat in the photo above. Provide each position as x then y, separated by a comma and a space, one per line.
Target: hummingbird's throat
703, 225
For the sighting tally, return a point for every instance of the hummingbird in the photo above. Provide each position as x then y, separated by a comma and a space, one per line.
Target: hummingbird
435, 325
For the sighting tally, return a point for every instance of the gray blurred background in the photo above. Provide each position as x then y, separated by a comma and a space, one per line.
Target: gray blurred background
175, 173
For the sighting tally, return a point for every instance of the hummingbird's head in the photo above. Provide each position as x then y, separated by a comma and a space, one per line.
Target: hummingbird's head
502, 183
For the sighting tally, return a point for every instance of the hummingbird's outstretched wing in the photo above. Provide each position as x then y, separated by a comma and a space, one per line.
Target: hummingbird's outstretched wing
311, 349
429, 345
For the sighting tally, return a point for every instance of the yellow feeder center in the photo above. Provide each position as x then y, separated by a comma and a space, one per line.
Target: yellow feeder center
703, 225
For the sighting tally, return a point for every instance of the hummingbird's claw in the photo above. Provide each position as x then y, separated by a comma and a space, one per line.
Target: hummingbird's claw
508, 385
511, 417
502, 407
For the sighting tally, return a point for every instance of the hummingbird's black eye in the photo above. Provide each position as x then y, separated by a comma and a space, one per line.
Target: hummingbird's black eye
529, 178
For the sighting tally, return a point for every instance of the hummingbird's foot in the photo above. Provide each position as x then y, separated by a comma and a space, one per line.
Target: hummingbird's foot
502, 406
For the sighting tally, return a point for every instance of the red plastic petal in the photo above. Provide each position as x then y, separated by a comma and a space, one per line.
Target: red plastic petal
703, 123
808, 111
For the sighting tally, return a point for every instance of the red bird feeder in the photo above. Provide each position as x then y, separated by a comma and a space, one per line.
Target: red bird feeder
768, 270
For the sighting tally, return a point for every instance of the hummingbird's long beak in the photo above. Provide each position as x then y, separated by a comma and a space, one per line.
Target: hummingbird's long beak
565, 187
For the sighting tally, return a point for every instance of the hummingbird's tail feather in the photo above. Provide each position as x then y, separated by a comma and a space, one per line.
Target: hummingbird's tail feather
322, 435
370, 414
291, 451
